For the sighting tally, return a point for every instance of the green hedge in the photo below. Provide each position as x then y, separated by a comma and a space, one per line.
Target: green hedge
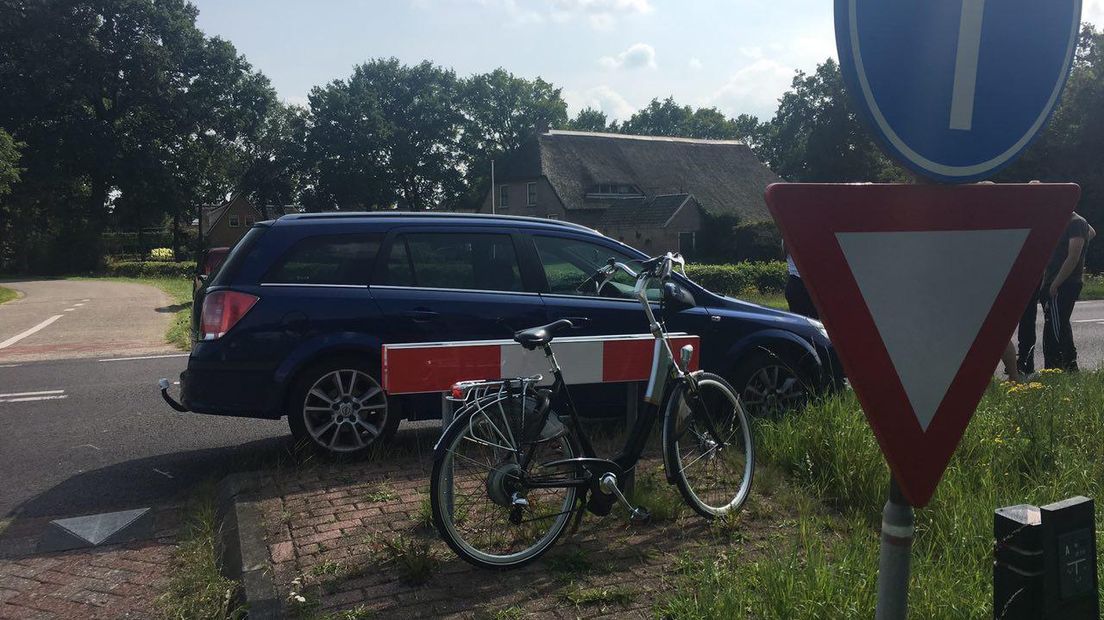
741, 278
150, 269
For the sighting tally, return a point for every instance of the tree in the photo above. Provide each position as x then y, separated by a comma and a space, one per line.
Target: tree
1072, 145
501, 111
387, 137
816, 136
9, 162
122, 104
589, 119
667, 118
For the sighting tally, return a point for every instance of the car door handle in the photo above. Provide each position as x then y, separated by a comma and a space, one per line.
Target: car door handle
421, 316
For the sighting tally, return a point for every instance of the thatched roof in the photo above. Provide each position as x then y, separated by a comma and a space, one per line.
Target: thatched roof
723, 175
643, 212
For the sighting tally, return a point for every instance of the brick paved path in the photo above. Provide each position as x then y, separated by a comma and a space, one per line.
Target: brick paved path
119, 582
325, 523
115, 581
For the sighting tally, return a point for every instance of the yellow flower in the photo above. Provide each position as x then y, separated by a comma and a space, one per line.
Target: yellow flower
998, 440
1050, 371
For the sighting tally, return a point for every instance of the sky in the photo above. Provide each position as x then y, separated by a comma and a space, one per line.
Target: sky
614, 55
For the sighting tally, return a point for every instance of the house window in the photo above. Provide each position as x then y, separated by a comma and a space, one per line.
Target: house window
234, 221
531, 194
614, 190
504, 196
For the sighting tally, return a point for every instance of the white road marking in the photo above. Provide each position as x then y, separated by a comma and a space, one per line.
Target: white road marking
32, 393
167, 475
144, 357
77, 305
88, 445
10, 365
1088, 320
68, 309
33, 398
86, 300
37, 328
966, 64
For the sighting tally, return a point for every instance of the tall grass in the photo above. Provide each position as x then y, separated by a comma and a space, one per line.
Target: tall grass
1034, 444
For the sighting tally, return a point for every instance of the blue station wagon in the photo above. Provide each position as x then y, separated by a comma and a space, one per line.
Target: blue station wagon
293, 322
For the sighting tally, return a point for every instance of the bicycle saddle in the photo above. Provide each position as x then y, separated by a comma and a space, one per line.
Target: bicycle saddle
539, 336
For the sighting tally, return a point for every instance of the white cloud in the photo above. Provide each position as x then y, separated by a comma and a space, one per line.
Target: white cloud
638, 56
753, 89
600, 14
752, 52
602, 98
695, 64
1093, 12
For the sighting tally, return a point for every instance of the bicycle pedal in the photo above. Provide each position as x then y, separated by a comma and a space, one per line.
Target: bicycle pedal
640, 514
517, 501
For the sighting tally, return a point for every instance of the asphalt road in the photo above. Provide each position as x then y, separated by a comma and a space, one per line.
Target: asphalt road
83, 318
98, 437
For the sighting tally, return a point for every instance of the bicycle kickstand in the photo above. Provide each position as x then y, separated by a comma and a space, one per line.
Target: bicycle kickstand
608, 484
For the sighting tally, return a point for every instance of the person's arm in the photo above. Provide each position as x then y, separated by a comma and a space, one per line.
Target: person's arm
1076, 244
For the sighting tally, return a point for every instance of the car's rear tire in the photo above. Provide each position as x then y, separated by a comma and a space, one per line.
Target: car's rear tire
338, 407
771, 384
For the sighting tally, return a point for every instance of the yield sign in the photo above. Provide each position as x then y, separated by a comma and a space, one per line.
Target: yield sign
920, 288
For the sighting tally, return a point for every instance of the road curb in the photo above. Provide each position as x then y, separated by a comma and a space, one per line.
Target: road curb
243, 553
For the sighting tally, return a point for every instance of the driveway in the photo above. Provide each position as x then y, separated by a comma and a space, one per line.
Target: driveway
63, 319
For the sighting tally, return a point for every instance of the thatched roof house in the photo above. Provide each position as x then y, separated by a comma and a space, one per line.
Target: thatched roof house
626, 185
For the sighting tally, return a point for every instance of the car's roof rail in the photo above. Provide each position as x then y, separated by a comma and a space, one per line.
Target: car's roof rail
332, 215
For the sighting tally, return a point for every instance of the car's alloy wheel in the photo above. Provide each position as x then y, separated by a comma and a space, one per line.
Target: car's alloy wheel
345, 410
772, 389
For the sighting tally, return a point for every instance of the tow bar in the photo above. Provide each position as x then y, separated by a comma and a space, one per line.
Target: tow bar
164, 385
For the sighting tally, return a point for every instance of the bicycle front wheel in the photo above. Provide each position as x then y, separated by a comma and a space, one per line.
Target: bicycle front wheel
708, 446
481, 496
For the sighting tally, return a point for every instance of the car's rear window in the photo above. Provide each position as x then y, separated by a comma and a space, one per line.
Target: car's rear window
327, 259
237, 256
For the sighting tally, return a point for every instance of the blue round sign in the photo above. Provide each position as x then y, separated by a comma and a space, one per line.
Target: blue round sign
956, 89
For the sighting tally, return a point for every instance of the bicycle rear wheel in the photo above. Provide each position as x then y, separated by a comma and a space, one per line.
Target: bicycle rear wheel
713, 476
477, 472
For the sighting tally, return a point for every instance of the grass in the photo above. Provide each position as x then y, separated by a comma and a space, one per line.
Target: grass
1036, 443
1094, 287
180, 290
413, 558
380, 492
196, 588
607, 595
6, 294
771, 300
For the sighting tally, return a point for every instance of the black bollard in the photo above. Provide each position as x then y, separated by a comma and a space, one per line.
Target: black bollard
1045, 561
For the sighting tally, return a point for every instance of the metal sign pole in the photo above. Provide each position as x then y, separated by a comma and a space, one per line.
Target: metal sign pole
896, 553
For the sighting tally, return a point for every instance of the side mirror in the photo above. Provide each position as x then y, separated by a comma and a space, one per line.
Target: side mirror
677, 297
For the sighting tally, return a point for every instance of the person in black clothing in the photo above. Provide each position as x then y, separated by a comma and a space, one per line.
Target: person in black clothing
797, 296
1061, 287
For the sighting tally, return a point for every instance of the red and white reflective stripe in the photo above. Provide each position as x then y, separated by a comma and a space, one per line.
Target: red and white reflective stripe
434, 366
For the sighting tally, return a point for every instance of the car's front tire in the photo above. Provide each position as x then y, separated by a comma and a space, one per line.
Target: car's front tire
770, 384
338, 407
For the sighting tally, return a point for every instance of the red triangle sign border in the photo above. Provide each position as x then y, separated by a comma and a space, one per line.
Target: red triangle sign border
811, 215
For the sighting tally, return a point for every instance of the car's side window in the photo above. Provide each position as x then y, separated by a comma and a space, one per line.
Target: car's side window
477, 261
569, 263
327, 259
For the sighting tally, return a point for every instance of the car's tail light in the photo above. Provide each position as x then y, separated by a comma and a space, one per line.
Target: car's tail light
221, 311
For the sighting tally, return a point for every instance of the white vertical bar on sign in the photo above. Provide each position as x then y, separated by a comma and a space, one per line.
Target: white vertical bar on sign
966, 64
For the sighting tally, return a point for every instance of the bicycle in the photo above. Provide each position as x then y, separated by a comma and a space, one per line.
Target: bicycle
509, 472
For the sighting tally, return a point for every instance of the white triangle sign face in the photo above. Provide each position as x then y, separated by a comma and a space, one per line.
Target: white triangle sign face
929, 293
920, 288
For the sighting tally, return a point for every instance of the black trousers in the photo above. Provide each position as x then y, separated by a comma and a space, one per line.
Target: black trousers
1025, 336
1058, 348
798, 298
